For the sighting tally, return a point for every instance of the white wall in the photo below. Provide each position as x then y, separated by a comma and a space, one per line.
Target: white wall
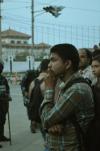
20, 66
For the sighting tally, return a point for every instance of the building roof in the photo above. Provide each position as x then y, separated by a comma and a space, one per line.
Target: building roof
13, 33
21, 45
42, 45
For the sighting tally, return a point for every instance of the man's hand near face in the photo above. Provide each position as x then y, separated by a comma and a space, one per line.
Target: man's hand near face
56, 129
50, 80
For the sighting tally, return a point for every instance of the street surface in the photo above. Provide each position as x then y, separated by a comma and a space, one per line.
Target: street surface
22, 138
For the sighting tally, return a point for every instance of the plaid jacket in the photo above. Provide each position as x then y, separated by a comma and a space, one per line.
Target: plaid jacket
57, 108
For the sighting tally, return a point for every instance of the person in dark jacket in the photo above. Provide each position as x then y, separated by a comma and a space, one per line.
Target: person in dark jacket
95, 139
0, 146
29, 76
4, 102
36, 95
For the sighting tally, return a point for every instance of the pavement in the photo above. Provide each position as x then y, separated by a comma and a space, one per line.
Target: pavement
22, 138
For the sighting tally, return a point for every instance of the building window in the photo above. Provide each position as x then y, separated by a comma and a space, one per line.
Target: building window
12, 41
25, 42
18, 42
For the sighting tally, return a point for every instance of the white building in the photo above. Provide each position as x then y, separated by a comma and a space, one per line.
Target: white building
14, 42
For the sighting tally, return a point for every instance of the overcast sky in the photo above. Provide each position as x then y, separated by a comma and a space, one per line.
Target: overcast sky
16, 14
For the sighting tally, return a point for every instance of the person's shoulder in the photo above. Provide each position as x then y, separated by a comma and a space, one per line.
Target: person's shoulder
32, 83
78, 84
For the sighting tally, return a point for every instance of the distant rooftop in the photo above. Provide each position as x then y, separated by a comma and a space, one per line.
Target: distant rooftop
42, 45
13, 33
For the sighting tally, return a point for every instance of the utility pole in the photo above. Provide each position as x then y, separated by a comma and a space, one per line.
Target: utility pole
32, 27
0, 32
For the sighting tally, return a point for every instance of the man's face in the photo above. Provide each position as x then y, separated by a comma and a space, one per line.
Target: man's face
84, 60
56, 64
96, 68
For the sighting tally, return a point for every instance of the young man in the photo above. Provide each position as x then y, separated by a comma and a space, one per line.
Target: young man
4, 102
95, 139
85, 56
61, 103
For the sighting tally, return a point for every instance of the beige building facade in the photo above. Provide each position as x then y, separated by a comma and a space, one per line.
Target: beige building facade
15, 42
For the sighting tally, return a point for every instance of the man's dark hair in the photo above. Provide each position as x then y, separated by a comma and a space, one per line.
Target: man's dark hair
96, 52
29, 76
67, 52
89, 54
44, 65
96, 55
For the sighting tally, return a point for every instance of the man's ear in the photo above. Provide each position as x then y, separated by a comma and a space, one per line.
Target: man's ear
68, 64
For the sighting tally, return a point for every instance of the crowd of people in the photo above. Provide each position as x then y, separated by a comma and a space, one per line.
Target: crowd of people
61, 98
